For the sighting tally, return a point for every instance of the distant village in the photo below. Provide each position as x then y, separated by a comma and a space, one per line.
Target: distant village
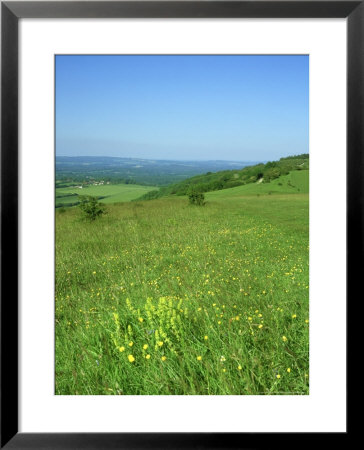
94, 183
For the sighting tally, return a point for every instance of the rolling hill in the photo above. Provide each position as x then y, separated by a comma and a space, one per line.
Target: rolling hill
288, 175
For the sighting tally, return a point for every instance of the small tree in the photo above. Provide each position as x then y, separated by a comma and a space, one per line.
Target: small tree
90, 207
196, 198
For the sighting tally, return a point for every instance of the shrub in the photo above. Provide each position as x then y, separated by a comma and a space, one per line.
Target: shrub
196, 198
91, 207
271, 174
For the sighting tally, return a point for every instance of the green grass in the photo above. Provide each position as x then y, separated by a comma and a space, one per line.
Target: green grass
113, 193
162, 271
295, 182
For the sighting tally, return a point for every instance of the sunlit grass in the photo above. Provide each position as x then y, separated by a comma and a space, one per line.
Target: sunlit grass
161, 297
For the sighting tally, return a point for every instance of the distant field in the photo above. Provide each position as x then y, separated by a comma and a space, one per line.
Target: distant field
112, 193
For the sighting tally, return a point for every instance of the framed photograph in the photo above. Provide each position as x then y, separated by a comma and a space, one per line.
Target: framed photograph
181, 221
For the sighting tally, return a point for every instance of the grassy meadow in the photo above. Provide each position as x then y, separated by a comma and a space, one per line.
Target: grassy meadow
161, 297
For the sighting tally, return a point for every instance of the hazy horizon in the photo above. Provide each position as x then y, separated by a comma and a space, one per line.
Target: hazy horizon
184, 108
158, 159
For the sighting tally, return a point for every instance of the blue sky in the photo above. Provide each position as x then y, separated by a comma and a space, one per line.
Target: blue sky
241, 108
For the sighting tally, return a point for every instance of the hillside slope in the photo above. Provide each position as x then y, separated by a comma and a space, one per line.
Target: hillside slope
263, 174
296, 182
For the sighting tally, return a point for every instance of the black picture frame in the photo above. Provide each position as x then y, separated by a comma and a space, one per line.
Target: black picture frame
11, 12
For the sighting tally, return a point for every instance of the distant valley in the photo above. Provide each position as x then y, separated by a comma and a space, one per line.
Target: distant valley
135, 170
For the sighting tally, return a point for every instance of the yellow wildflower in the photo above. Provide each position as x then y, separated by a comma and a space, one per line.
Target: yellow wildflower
131, 358
121, 349
199, 358
131, 344
278, 376
160, 343
147, 357
145, 346
163, 358
288, 370
284, 339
